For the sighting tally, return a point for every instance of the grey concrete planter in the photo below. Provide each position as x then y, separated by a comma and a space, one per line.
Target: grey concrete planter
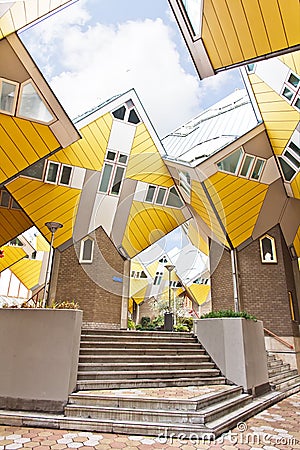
39, 350
237, 347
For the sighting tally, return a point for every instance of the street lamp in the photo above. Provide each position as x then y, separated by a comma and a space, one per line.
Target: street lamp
52, 227
168, 325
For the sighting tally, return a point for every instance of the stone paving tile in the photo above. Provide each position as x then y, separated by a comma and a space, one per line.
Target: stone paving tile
276, 428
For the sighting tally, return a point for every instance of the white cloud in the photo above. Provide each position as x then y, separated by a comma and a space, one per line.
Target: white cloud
96, 62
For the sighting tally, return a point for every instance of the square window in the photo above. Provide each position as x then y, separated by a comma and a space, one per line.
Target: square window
297, 103
123, 159
111, 156
288, 94
65, 175
7, 96
52, 172
294, 80
150, 194
232, 162
161, 196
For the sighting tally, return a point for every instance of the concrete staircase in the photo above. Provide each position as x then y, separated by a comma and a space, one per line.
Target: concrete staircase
132, 359
281, 377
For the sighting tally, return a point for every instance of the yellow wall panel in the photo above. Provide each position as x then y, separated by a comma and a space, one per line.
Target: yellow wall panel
295, 184
11, 256
197, 240
274, 24
213, 53
290, 15
296, 242
13, 223
28, 272
89, 151
199, 292
257, 26
142, 227
216, 33
46, 203
292, 60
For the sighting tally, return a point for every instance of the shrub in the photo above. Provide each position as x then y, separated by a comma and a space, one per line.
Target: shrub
181, 327
130, 324
227, 313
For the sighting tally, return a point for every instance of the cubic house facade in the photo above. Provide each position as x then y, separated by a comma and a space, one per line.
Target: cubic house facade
231, 174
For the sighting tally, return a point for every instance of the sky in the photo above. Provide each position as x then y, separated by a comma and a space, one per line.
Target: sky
95, 49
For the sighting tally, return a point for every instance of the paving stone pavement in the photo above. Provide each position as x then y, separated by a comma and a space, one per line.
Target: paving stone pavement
278, 427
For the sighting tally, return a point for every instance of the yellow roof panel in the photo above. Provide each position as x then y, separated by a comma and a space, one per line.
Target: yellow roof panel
145, 162
295, 185
28, 272
41, 244
22, 143
199, 292
147, 223
238, 202
296, 242
89, 151
45, 202
234, 32
13, 223
11, 256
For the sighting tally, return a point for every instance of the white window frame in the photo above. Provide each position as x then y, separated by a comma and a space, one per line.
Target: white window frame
18, 114
239, 167
115, 164
165, 198
185, 182
295, 90
129, 106
288, 161
90, 260
273, 247
17, 85
60, 168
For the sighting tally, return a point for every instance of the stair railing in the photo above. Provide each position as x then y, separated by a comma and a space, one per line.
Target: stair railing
282, 341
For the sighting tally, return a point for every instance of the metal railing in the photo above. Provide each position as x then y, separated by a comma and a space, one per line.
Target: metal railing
37, 299
282, 341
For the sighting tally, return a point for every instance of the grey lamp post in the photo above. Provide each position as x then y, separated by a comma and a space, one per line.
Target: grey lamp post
52, 227
168, 325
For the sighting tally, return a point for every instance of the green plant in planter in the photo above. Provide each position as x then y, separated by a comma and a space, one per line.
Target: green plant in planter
227, 313
130, 324
181, 327
64, 305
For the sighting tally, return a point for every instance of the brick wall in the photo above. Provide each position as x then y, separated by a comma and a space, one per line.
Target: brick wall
221, 278
92, 285
264, 287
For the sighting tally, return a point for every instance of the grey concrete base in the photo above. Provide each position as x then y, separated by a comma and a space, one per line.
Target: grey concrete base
39, 350
237, 347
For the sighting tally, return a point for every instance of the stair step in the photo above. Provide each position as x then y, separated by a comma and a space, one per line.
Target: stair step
275, 363
148, 382
277, 370
137, 345
139, 339
282, 375
125, 374
91, 350
150, 415
139, 402
286, 383
136, 333
146, 366
143, 358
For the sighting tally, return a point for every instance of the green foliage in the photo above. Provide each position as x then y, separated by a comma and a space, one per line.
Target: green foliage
145, 321
181, 327
64, 305
148, 325
227, 313
130, 324
186, 321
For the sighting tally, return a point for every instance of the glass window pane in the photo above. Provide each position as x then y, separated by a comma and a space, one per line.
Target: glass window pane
293, 80
15, 205
111, 156
123, 159
160, 196
117, 180
231, 163
7, 96
119, 113
287, 93
246, 166
193, 10
268, 252
293, 160
150, 194
133, 117
5, 197
297, 103
52, 172
105, 178
32, 106
257, 169
287, 170
174, 199
35, 171
65, 175
295, 148
87, 250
